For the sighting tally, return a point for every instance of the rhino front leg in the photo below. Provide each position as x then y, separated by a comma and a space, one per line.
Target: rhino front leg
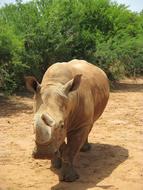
68, 173
86, 146
56, 160
75, 141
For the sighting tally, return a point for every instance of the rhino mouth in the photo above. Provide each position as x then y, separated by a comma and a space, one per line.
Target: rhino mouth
44, 151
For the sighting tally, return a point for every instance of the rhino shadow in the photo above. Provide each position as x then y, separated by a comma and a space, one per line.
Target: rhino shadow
94, 166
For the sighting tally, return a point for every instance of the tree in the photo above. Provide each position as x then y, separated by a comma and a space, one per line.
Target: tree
40, 32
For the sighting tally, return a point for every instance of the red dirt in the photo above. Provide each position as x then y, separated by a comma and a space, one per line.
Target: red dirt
114, 163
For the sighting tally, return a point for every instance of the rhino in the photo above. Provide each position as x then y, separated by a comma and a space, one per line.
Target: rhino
70, 98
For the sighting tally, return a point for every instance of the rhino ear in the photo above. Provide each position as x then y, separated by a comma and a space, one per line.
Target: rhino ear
32, 84
73, 84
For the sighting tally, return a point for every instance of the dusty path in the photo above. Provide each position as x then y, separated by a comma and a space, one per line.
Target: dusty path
114, 163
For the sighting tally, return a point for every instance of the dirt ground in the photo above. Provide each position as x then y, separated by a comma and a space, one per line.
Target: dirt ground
114, 163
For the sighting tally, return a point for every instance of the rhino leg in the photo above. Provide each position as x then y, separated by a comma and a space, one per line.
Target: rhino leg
68, 173
86, 147
75, 141
56, 162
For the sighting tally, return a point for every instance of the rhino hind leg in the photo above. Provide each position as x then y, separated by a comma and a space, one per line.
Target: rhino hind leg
86, 147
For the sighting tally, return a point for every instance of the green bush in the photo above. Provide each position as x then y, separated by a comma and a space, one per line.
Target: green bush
38, 33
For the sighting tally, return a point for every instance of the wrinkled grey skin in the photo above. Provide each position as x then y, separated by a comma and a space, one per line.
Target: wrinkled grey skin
70, 98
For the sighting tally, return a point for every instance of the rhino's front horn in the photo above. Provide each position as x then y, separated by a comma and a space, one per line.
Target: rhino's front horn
48, 120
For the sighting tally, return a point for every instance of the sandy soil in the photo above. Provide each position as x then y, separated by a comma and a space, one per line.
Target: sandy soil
114, 163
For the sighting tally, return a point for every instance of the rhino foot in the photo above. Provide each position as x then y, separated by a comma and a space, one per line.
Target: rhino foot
56, 163
86, 147
68, 173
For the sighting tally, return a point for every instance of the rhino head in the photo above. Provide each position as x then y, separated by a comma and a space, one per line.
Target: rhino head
52, 104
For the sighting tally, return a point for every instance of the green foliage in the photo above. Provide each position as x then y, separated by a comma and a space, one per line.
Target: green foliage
10, 60
36, 34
